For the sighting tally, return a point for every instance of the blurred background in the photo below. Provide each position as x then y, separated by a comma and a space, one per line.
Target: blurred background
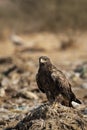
45, 15
39, 22
60, 21
28, 30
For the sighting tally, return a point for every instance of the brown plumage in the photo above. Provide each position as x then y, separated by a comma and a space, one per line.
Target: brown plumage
53, 82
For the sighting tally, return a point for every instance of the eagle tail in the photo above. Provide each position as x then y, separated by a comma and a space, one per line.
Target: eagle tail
78, 101
75, 99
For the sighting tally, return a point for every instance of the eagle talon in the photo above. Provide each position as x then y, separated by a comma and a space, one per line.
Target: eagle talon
55, 104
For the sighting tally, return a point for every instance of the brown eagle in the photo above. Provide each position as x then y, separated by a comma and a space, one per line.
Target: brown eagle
53, 82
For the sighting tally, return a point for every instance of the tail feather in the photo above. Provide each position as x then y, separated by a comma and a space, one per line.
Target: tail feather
75, 99
78, 101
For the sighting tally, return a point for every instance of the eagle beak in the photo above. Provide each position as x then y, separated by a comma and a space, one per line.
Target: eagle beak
42, 61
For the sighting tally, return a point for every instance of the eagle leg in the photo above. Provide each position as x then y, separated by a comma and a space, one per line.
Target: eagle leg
50, 97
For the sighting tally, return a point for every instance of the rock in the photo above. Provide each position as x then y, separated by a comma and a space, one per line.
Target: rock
82, 70
9, 70
27, 94
67, 43
85, 111
5, 60
17, 40
2, 92
84, 85
15, 78
75, 76
84, 73
78, 69
30, 95
2, 122
52, 117
5, 82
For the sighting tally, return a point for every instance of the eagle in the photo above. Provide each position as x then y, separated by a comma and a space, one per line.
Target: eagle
53, 82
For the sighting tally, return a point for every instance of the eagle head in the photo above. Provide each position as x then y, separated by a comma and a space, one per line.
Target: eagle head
43, 60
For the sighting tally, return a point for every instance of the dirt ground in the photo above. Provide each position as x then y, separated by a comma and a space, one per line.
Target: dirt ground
19, 93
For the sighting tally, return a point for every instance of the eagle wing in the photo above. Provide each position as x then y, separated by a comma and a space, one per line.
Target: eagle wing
63, 85
61, 82
39, 84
